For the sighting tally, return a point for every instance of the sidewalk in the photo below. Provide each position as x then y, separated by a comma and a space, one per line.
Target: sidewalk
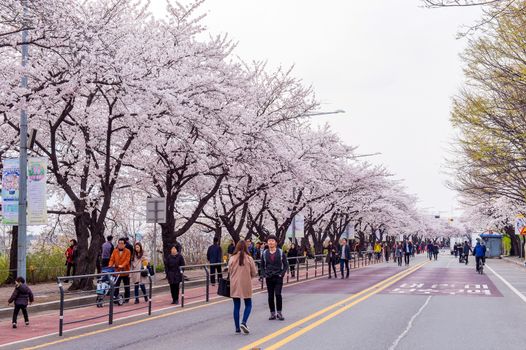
47, 295
514, 260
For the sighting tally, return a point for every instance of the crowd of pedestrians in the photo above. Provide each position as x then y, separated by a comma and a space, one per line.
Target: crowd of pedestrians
245, 260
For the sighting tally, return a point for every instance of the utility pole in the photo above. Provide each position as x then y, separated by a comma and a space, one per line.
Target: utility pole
294, 218
22, 192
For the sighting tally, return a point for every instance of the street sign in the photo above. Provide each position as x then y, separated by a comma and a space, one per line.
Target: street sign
155, 214
156, 210
520, 225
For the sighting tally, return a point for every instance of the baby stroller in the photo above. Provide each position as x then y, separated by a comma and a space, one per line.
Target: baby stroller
104, 288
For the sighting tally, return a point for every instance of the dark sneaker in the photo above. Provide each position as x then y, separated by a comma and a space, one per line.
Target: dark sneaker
272, 316
14, 325
280, 317
238, 331
136, 301
27, 323
244, 328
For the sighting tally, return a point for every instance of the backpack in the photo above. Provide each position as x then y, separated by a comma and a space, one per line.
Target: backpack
280, 256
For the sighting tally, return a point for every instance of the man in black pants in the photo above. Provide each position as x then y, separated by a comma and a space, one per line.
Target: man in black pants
344, 254
408, 251
214, 256
274, 265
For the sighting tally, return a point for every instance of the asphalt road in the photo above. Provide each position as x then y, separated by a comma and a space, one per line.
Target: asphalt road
439, 305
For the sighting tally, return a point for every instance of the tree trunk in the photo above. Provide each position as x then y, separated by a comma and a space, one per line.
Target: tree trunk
218, 232
13, 256
510, 231
318, 247
168, 234
88, 251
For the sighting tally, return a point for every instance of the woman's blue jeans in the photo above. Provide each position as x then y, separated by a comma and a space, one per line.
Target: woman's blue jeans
237, 308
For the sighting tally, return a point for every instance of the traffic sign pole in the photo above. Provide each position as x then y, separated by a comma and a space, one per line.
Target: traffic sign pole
155, 237
155, 214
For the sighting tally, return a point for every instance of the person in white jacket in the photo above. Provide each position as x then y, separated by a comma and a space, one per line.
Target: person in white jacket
139, 262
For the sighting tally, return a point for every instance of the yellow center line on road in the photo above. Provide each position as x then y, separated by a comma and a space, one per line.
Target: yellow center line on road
321, 321
368, 292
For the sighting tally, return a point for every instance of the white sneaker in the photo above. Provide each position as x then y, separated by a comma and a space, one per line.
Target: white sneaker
244, 328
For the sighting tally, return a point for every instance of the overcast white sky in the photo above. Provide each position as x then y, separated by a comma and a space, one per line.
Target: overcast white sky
391, 64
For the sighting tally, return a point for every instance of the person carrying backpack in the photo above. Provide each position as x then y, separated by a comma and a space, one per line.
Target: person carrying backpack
274, 266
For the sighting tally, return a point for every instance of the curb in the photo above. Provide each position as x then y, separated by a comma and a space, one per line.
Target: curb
514, 261
6, 313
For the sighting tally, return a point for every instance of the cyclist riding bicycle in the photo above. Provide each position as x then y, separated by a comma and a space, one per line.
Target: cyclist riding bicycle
480, 252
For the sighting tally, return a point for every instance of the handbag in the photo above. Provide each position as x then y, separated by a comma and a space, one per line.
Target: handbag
223, 287
144, 272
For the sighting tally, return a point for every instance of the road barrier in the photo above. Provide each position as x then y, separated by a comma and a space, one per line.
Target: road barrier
100, 298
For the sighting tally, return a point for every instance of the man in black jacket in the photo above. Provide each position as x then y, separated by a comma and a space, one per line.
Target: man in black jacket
274, 266
214, 255
344, 254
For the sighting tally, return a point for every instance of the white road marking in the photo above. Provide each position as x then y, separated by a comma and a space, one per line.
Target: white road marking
513, 289
409, 325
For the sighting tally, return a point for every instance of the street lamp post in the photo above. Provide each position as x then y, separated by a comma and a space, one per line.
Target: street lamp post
22, 193
294, 218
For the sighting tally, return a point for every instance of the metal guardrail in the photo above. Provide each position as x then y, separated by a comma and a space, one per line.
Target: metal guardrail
111, 294
299, 260
302, 263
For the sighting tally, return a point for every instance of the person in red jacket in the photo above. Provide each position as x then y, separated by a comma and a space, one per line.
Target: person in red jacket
71, 258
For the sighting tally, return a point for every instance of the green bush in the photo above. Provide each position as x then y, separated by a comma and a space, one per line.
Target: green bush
46, 265
4, 268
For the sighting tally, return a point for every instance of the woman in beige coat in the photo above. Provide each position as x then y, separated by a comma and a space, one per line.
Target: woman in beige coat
139, 262
242, 269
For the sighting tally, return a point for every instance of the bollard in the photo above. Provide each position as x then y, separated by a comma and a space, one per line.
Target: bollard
112, 296
207, 284
150, 295
61, 317
297, 270
182, 286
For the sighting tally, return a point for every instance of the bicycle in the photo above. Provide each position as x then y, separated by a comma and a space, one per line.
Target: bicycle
480, 266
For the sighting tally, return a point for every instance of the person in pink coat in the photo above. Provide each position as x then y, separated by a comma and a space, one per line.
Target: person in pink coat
242, 269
